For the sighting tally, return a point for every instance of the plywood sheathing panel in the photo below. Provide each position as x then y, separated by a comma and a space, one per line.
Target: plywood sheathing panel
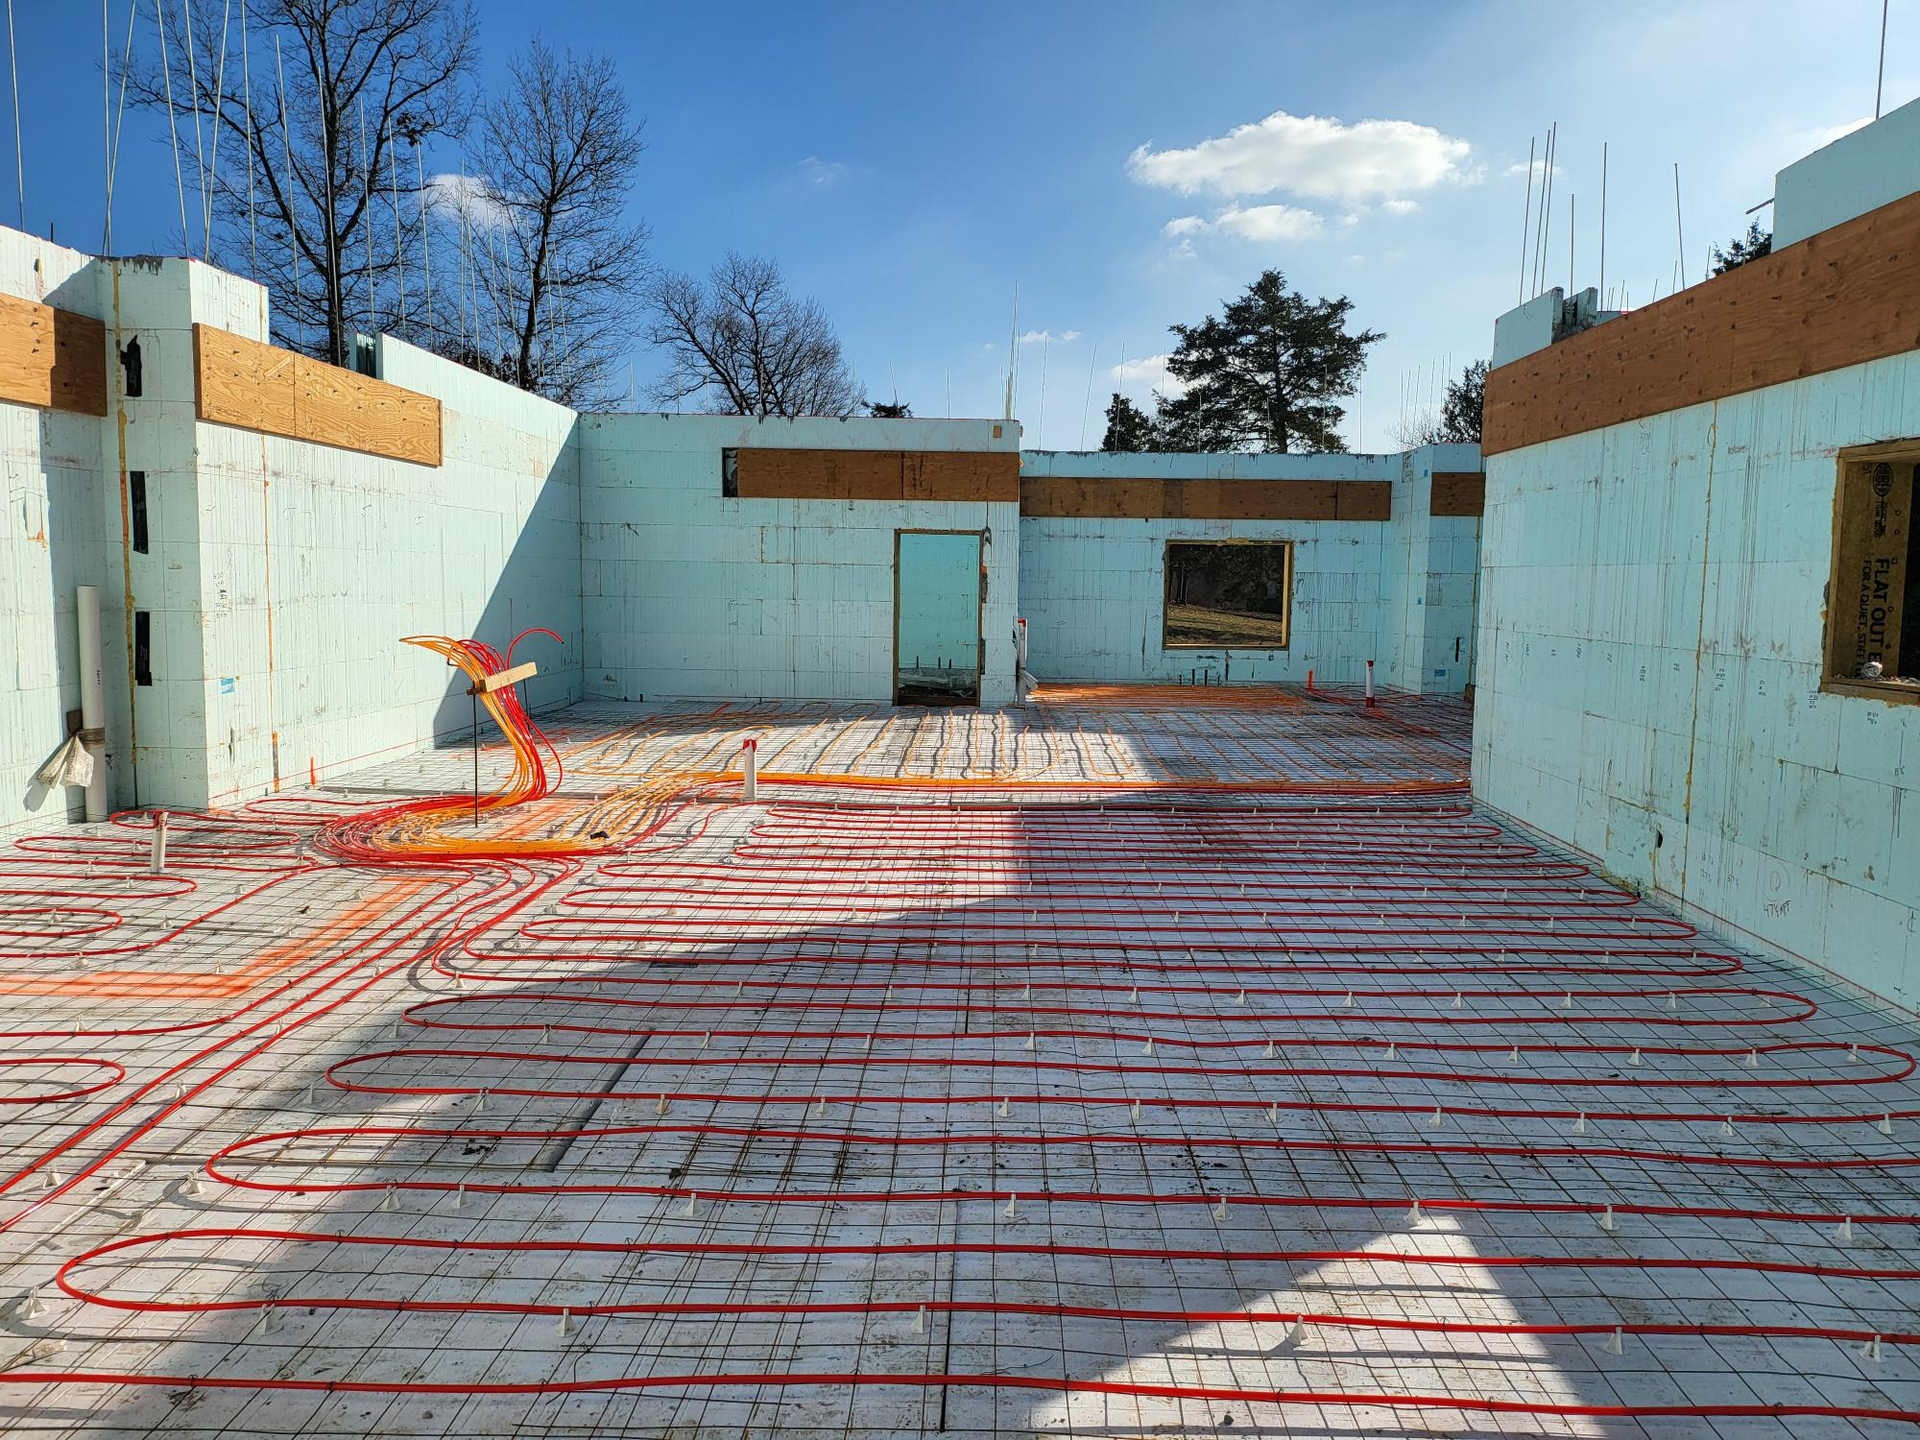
1842, 297
242, 382
776, 474
53, 359
255, 386
356, 412
1459, 492
1076, 498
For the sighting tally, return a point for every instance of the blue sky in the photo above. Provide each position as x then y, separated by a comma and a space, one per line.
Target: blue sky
909, 164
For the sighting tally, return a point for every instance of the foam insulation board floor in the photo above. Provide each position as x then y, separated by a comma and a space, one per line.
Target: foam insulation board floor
1123, 1064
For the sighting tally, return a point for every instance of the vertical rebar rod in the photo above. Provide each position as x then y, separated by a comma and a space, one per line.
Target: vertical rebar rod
1880, 74
1603, 224
426, 229
246, 75
106, 122
19, 151
399, 255
1526, 223
113, 144
366, 210
286, 138
199, 141
1679, 228
173, 123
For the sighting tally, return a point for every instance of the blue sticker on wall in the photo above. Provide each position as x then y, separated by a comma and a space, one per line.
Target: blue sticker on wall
226, 684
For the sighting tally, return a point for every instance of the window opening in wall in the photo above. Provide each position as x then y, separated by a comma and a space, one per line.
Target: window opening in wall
1873, 599
142, 648
1228, 594
730, 474
137, 506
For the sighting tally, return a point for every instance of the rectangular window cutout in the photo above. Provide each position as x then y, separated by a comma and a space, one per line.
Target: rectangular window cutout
1227, 595
730, 474
1873, 599
137, 504
142, 648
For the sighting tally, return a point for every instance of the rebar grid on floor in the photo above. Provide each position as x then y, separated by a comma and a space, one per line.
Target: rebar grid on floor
1144, 1101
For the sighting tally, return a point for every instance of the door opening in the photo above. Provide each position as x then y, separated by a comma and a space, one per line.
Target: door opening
938, 590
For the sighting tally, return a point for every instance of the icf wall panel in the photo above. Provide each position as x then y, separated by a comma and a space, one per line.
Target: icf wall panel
342, 554
777, 595
1650, 670
54, 527
1094, 531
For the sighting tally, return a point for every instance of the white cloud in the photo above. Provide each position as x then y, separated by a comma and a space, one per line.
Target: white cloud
449, 194
1538, 168
1269, 222
815, 171
1309, 155
1042, 337
1151, 372
1400, 207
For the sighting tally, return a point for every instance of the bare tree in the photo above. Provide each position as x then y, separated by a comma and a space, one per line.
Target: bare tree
742, 345
305, 149
558, 148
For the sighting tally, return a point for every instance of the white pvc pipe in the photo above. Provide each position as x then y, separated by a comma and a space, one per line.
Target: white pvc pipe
750, 769
157, 858
93, 699
1369, 682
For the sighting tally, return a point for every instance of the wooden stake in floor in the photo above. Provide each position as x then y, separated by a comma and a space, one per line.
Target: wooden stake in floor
500, 680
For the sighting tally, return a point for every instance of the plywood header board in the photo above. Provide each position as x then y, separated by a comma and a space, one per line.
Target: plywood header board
898, 475
1842, 297
1121, 499
1459, 492
256, 386
53, 359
